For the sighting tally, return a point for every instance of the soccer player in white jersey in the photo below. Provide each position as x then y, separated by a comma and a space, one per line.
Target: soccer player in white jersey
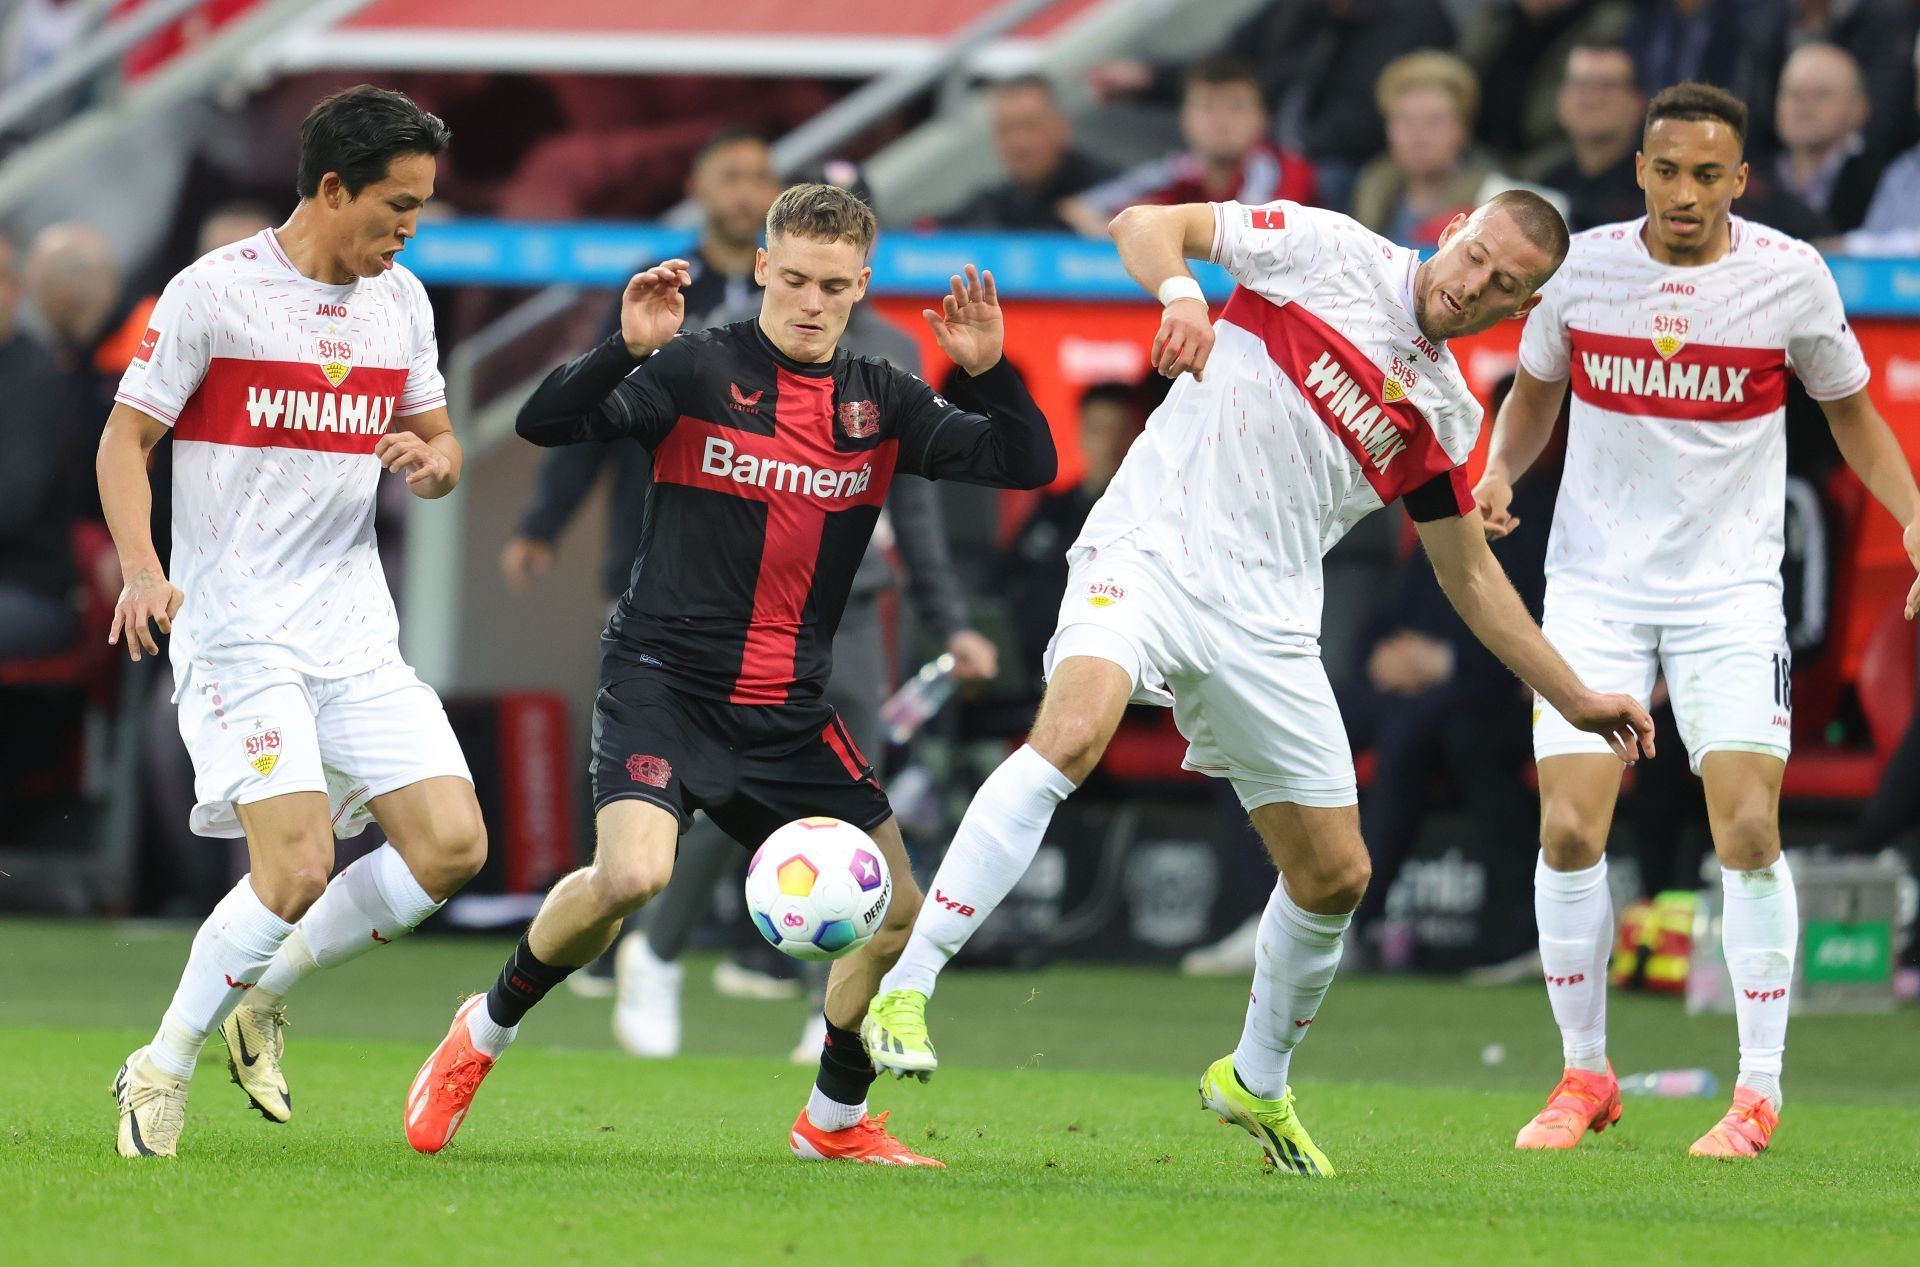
290, 368
1325, 391
1677, 332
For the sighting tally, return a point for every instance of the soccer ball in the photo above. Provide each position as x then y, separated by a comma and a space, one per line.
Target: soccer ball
818, 888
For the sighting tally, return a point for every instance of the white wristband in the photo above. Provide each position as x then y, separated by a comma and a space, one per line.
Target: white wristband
1180, 286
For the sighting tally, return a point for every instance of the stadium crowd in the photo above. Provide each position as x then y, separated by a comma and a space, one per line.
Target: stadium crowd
1402, 113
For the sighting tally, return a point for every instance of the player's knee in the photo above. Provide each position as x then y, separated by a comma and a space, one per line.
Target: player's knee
1071, 741
1748, 838
627, 884
1569, 838
1339, 887
290, 890
456, 854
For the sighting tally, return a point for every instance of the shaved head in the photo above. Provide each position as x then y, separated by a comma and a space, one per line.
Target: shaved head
1538, 221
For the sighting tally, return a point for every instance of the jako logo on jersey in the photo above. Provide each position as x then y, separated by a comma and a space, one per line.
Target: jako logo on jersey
263, 750
1426, 349
294, 410
1350, 407
1642, 376
1676, 288
1269, 220
719, 458
148, 342
859, 419
748, 403
330, 310
652, 771
1105, 593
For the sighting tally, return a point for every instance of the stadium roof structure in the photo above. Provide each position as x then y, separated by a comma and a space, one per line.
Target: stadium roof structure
854, 38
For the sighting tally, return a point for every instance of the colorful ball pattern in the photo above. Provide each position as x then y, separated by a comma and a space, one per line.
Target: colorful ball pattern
818, 888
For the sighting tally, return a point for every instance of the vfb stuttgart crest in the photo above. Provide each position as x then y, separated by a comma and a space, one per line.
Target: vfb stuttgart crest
1669, 334
859, 419
263, 750
336, 359
652, 771
1105, 593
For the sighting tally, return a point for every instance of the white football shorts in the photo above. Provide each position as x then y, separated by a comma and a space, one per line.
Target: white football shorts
1728, 680
1258, 713
258, 733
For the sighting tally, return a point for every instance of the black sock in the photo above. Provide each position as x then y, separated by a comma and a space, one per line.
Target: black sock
523, 982
846, 1071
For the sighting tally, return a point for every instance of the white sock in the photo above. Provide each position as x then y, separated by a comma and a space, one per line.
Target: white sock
1760, 934
831, 1115
998, 837
1575, 912
368, 904
1297, 955
229, 953
490, 1038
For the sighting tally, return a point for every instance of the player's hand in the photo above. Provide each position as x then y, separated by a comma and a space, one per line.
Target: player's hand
147, 595
1185, 339
1494, 495
400, 451
969, 327
523, 559
652, 307
1119, 77
1911, 540
1618, 719
975, 658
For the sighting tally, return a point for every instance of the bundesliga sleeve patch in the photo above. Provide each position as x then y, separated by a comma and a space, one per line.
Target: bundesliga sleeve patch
1269, 219
148, 342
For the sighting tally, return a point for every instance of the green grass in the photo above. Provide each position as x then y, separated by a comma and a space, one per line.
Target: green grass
1065, 1108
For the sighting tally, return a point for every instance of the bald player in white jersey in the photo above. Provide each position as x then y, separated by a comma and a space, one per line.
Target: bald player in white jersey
1677, 332
1325, 391
290, 368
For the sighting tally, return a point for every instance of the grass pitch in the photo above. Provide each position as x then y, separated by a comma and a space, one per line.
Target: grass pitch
1065, 1108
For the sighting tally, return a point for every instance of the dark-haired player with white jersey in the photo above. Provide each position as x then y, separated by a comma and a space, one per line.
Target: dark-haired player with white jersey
1325, 391
289, 369
1677, 332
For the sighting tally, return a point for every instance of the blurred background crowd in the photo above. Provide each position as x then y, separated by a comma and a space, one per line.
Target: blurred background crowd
1399, 112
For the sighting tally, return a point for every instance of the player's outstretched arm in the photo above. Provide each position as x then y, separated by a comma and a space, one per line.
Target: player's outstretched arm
1479, 590
423, 448
125, 495
588, 397
1869, 447
1155, 244
1520, 432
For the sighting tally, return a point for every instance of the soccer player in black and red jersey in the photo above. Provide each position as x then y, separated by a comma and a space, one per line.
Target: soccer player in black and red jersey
772, 453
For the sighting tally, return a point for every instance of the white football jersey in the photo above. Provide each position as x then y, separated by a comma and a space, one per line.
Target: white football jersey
277, 387
1672, 502
1321, 403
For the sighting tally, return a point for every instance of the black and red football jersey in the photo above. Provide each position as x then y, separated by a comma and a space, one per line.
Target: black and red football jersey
768, 476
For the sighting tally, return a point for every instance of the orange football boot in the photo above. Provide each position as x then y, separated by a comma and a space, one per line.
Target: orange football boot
1584, 1101
869, 1141
444, 1088
1745, 1131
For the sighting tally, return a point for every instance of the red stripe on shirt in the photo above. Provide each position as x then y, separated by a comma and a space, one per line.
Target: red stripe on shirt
1391, 442
291, 405
1697, 383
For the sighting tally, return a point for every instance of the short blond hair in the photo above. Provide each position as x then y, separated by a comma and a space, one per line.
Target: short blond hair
1429, 68
824, 213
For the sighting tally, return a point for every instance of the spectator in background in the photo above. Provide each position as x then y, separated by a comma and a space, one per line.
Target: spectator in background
1820, 119
73, 287
1892, 226
1600, 109
1035, 143
231, 222
1228, 155
1428, 174
1674, 41
1520, 50
1878, 34
1034, 566
1318, 63
41, 489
